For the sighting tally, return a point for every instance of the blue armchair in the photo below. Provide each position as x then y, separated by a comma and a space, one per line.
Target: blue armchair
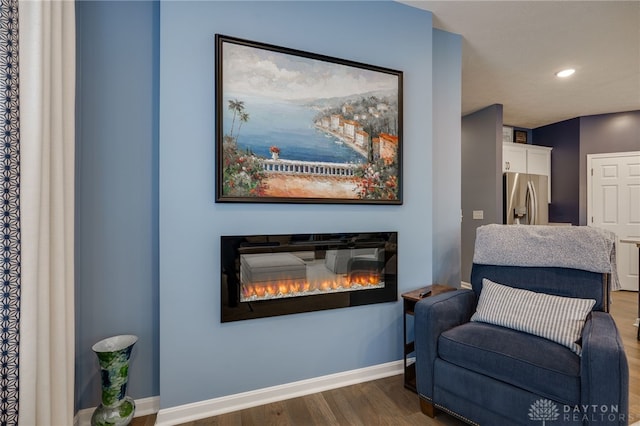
489, 374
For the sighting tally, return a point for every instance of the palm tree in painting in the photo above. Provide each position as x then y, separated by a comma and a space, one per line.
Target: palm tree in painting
243, 174
238, 108
243, 117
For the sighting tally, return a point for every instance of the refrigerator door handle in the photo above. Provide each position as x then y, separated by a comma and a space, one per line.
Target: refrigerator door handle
534, 203
529, 204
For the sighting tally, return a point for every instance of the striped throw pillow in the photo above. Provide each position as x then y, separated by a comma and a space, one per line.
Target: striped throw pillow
556, 318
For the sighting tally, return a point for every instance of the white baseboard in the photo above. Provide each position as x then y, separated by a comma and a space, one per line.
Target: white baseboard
226, 404
464, 284
144, 407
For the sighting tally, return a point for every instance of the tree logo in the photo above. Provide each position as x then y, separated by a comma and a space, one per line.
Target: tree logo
543, 409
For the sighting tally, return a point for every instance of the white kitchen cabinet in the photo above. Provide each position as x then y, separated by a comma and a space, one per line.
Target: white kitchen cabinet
539, 160
514, 158
524, 158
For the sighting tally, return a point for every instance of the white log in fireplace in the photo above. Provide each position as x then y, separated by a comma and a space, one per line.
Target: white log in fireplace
269, 275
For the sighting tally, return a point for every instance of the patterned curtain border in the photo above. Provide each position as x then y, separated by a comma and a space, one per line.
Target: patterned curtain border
10, 298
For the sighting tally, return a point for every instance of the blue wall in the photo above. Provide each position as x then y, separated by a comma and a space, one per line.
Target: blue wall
481, 176
572, 140
447, 157
117, 190
201, 358
147, 228
564, 137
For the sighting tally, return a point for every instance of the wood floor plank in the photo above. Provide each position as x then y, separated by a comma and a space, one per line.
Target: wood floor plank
344, 406
383, 402
405, 400
624, 309
298, 412
274, 414
319, 409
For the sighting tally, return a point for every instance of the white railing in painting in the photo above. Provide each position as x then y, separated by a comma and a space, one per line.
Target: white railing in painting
308, 167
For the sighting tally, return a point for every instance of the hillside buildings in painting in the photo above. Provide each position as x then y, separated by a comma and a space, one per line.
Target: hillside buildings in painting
351, 131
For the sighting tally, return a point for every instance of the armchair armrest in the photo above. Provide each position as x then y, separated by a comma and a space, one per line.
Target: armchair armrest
604, 368
433, 316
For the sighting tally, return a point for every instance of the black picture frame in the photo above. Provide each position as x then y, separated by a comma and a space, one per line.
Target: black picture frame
519, 136
300, 127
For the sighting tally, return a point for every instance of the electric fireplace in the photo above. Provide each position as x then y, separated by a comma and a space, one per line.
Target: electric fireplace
269, 275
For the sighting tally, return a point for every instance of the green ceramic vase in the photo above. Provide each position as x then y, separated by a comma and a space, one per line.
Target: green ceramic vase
117, 408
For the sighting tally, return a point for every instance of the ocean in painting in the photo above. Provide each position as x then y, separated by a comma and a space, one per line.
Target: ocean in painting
288, 126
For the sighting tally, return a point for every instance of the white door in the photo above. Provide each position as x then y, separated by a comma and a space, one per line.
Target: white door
613, 185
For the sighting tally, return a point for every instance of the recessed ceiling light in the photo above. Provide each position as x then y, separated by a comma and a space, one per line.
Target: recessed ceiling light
565, 73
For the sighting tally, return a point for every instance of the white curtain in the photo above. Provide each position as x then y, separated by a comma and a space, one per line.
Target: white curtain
47, 138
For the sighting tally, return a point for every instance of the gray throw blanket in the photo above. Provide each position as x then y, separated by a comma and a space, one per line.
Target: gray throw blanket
577, 247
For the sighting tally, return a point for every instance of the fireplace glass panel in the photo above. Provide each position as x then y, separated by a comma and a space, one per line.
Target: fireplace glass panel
267, 275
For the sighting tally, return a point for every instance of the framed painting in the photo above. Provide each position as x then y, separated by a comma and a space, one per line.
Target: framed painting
299, 127
520, 136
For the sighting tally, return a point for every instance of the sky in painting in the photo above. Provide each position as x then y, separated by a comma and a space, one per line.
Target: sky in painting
253, 71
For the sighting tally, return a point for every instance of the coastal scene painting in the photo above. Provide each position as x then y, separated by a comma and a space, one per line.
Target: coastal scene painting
293, 126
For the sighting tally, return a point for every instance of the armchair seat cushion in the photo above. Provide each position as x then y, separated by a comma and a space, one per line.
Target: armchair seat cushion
524, 360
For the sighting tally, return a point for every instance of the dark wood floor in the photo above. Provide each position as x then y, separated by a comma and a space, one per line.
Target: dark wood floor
387, 402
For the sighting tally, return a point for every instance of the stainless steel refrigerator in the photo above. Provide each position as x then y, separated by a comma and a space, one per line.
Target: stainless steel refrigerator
525, 199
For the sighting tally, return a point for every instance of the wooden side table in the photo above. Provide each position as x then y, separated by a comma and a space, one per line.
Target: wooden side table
410, 299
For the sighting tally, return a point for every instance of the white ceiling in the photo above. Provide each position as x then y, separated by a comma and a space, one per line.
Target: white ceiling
511, 50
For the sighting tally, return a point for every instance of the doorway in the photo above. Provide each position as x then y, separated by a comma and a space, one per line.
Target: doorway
613, 203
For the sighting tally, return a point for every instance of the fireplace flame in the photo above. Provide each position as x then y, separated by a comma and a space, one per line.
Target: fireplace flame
295, 288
